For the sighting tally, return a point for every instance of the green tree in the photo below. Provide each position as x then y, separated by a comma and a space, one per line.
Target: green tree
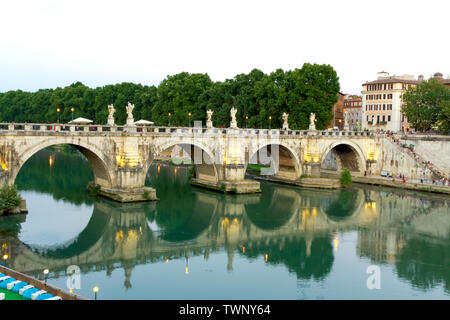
346, 178
426, 105
179, 94
9, 197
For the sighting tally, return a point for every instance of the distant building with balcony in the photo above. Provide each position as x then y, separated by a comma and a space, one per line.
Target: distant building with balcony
353, 112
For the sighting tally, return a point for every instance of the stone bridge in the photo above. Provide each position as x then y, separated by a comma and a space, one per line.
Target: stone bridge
121, 155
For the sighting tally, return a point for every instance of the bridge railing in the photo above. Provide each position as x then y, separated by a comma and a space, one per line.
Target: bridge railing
152, 130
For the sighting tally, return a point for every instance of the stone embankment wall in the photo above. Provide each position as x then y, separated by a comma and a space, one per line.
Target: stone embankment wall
398, 161
433, 148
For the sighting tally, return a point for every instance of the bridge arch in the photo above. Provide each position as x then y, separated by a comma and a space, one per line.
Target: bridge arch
348, 156
197, 151
96, 158
288, 164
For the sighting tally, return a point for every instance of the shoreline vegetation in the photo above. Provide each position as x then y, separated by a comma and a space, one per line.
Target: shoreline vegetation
10, 201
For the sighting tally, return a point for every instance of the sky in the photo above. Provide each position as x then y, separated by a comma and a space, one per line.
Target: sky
49, 44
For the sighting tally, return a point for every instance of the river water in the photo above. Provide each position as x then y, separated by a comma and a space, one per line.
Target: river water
285, 243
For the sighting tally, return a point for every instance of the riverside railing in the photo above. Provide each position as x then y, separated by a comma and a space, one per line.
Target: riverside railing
154, 130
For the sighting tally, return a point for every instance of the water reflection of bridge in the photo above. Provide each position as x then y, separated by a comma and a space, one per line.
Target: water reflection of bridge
294, 229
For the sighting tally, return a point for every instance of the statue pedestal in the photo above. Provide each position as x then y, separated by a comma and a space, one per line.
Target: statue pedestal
110, 121
233, 125
285, 127
130, 122
209, 124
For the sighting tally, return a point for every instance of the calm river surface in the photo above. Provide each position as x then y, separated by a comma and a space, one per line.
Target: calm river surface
285, 243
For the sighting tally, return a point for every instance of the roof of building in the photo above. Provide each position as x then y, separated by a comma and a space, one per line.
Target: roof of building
393, 80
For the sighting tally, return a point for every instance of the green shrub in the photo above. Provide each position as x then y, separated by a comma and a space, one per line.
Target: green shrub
222, 187
346, 178
93, 189
146, 194
9, 197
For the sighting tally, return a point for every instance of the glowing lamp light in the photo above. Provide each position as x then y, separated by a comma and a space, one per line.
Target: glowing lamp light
308, 157
51, 160
243, 249
95, 291
266, 257
336, 242
371, 156
5, 257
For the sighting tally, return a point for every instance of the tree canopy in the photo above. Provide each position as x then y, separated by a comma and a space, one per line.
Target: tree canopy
428, 106
256, 95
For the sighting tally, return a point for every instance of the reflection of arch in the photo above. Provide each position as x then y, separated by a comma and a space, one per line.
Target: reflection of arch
287, 165
348, 155
275, 209
198, 152
182, 225
87, 238
346, 204
92, 153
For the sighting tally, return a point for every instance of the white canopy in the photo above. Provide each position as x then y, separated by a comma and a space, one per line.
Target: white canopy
143, 122
81, 120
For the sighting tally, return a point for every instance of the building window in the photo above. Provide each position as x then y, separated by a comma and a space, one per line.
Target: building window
389, 118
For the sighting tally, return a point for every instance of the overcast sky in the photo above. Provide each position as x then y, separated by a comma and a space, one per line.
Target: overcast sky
46, 44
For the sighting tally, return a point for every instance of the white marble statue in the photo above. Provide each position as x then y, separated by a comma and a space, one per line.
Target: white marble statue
111, 111
312, 121
130, 119
285, 121
209, 114
233, 123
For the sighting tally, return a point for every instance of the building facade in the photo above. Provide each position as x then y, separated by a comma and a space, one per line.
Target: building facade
353, 112
338, 112
382, 102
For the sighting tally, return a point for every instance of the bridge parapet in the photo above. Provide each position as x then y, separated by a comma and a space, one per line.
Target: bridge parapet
93, 129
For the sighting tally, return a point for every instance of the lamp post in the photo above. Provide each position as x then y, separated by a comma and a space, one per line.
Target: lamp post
45, 275
95, 291
72, 109
189, 114
169, 114
270, 122
246, 122
58, 110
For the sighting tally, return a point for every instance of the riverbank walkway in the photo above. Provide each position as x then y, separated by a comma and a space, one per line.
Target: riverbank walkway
18, 286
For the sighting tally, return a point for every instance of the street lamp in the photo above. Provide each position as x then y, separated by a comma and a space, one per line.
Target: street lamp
58, 110
189, 114
5, 257
246, 122
270, 122
72, 109
95, 291
169, 114
45, 275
